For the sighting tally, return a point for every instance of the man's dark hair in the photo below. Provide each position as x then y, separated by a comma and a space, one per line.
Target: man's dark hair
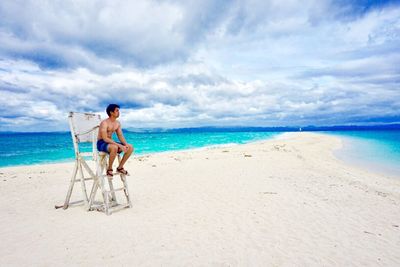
111, 108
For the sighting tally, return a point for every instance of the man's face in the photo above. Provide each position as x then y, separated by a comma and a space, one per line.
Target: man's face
115, 112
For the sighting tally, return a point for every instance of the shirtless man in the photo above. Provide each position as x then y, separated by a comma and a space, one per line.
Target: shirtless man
106, 144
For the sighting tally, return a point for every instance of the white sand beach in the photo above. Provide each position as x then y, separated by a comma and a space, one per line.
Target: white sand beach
281, 202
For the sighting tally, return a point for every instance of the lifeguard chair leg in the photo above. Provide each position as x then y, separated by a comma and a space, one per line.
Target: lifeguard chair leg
71, 185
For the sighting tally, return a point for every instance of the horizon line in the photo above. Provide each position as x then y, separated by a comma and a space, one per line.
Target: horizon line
393, 126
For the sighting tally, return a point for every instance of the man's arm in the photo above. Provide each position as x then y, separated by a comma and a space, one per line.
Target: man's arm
121, 135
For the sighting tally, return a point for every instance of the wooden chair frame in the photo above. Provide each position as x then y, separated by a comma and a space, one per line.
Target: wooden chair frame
89, 134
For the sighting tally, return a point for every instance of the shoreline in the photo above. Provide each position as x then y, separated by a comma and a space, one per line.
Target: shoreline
286, 201
349, 154
216, 146
340, 153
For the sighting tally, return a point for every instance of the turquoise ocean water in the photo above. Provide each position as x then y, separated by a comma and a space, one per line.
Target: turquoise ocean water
35, 148
376, 150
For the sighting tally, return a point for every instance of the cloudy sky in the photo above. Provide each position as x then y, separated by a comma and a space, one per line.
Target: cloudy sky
197, 63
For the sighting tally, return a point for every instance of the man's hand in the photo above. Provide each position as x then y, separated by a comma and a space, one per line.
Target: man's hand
124, 148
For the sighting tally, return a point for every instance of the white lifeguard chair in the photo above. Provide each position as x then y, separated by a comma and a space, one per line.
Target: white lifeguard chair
84, 128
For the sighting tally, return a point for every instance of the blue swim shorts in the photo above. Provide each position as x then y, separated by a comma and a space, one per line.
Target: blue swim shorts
103, 146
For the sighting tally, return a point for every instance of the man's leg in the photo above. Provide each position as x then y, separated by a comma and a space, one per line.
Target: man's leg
126, 156
112, 150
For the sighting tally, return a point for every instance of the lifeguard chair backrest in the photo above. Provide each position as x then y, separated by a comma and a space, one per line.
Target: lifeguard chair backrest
84, 126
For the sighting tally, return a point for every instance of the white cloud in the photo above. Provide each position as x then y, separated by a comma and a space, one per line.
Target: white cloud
192, 63
141, 33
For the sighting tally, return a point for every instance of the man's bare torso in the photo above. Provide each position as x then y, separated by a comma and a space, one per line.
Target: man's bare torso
111, 127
